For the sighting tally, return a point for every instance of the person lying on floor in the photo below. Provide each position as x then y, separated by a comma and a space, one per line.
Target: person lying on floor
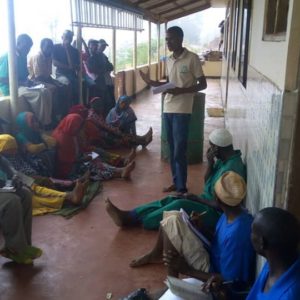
104, 135
108, 157
44, 199
38, 147
72, 161
16, 218
122, 116
275, 236
221, 158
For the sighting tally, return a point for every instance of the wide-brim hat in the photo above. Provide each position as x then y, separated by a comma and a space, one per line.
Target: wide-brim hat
220, 137
231, 188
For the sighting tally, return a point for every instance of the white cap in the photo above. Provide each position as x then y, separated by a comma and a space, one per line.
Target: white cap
220, 137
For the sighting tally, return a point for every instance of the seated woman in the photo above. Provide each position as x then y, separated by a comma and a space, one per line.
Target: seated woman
102, 134
221, 158
108, 157
72, 161
39, 147
44, 200
122, 116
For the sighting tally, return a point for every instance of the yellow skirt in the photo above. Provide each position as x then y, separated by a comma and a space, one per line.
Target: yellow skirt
46, 200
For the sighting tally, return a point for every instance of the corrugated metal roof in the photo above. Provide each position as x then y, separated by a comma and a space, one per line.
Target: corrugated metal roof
161, 11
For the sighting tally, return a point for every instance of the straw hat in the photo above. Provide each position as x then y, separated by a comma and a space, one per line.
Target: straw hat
220, 137
231, 188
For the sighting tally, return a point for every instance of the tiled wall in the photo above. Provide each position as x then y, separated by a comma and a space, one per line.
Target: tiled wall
261, 119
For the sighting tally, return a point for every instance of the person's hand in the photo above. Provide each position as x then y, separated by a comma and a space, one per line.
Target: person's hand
197, 219
211, 154
145, 76
213, 284
16, 182
176, 262
175, 91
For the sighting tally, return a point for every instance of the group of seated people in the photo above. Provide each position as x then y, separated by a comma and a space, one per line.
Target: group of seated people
50, 95
212, 238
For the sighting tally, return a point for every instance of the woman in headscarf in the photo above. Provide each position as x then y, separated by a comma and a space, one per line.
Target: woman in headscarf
38, 147
72, 160
108, 157
44, 199
122, 116
102, 134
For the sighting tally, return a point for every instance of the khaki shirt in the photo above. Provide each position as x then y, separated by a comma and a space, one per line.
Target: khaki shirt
183, 72
40, 65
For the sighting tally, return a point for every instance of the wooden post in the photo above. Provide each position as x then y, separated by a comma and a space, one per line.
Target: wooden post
149, 43
114, 49
135, 56
12, 60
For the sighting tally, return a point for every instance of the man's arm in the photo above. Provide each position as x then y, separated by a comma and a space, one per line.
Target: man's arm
178, 264
146, 78
201, 85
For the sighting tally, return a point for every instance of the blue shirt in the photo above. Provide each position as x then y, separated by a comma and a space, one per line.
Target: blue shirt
232, 254
287, 287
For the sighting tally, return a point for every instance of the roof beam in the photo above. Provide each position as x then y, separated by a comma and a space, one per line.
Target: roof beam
162, 3
187, 12
141, 2
178, 7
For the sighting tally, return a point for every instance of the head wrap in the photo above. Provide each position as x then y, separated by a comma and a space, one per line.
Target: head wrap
7, 142
220, 137
231, 188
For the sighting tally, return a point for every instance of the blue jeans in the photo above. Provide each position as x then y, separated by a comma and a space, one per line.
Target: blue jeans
177, 128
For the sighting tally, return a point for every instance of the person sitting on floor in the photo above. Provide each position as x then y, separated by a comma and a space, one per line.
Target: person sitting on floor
44, 199
39, 100
102, 134
122, 116
108, 157
150, 214
275, 236
71, 161
16, 218
38, 147
231, 256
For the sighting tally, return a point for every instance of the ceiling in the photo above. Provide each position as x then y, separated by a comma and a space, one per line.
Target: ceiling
161, 11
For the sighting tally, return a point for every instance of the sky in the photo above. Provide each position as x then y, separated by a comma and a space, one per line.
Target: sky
49, 18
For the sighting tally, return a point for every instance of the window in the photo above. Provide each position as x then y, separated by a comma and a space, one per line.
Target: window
276, 14
142, 45
154, 38
236, 13
124, 49
244, 43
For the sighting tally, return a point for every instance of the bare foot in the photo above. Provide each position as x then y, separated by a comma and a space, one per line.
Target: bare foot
145, 260
127, 170
85, 176
115, 213
77, 194
130, 157
148, 138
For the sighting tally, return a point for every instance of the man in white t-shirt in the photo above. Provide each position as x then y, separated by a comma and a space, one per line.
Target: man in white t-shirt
185, 72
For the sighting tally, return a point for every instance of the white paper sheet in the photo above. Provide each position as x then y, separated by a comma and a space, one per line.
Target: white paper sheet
162, 88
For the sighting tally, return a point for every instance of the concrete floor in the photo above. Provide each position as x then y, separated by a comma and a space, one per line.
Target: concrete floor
87, 256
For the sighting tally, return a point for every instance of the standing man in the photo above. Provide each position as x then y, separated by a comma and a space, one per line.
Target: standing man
39, 99
185, 72
66, 59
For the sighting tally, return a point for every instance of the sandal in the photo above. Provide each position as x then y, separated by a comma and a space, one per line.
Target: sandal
139, 294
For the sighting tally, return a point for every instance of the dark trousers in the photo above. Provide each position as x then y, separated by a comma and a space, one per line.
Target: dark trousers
177, 128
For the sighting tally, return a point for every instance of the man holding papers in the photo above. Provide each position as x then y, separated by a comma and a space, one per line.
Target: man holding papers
229, 257
186, 76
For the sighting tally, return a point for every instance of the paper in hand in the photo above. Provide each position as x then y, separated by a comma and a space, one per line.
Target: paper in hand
163, 88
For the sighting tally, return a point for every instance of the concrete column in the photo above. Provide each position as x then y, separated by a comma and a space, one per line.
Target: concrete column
158, 51
12, 60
